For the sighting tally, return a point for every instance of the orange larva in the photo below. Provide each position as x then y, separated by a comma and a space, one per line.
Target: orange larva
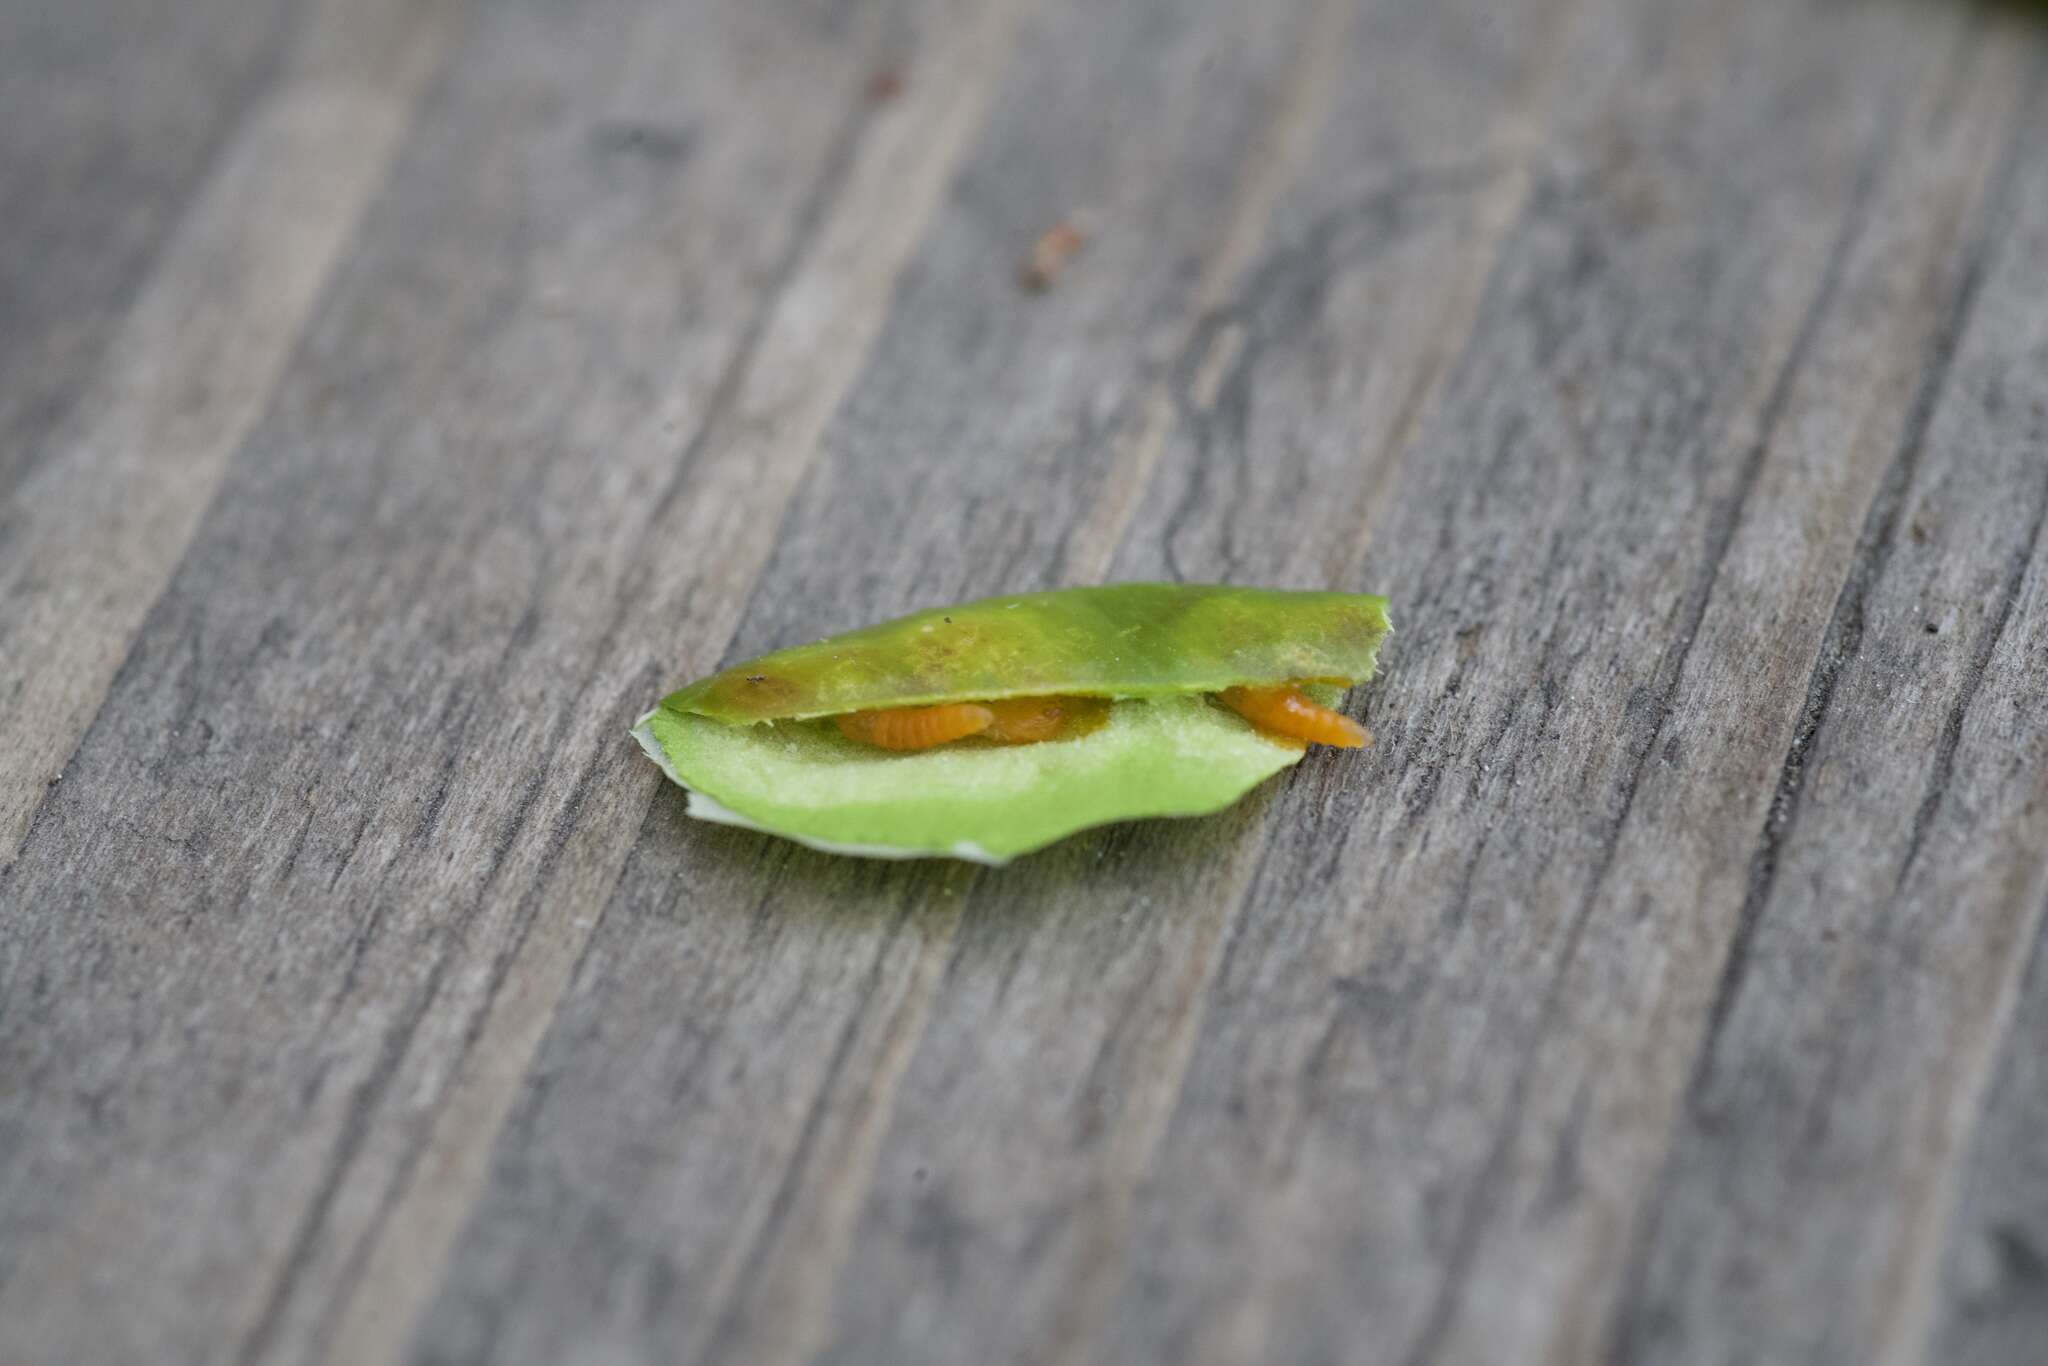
1026, 720
1284, 712
1006, 721
1289, 711
916, 727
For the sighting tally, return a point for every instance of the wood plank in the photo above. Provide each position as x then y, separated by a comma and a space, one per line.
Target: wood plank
1077, 994
720, 1140
93, 531
456, 491
1994, 1303
1901, 881
1667, 984
1532, 1098
1994, 1307
1277, 1184
112, 113
684, 590
811, 1009
1283, 1306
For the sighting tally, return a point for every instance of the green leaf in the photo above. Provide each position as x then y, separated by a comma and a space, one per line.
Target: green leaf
1170, 756
1122, 640
748, 744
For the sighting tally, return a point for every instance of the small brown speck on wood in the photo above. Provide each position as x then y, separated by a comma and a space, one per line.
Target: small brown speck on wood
1050, 255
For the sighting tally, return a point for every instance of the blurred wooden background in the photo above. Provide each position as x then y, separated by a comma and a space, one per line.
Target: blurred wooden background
396, 398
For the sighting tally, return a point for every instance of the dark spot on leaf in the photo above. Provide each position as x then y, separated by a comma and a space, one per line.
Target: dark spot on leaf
757, 678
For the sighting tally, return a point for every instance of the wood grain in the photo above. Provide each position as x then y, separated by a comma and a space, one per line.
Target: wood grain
112, 115
397, 398
701, 546
318, 591
1902, 858
95, 527
991, 440
1994, 1296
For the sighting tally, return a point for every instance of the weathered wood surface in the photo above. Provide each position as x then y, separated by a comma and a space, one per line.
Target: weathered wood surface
395, 398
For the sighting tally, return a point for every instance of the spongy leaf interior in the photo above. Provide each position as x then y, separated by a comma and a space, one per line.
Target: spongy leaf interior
1173, 756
